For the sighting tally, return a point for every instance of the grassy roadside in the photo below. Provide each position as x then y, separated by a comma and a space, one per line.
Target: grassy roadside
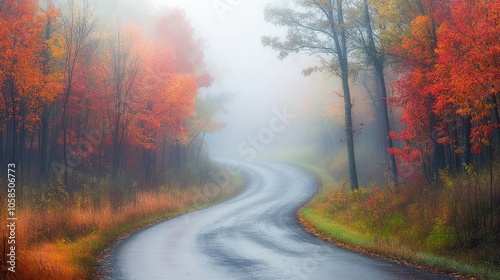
87, 230
342, 227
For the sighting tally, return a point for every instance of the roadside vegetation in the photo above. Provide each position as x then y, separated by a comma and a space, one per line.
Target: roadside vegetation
450, 228
420, 120
102, 130
62, 234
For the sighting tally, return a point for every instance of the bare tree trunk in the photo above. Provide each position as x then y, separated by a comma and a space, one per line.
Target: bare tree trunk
43, 142
467, 144
101, 145
164, 154
341, 44
65, 133
200, 147
2, 151
77, 29
496, 120
14, 117
30, 154
53, 155
379, 73
124, 67
44, 126
21, 158
309, 33
349, 129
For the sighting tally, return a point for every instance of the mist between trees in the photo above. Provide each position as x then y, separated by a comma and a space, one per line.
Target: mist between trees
89, 101
114, 99
429, 72
106, 125
430, 75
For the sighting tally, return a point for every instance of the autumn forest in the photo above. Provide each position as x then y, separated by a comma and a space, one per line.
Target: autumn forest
103, 128
79, 97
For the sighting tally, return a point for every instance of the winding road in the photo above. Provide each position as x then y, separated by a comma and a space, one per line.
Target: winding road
253, 236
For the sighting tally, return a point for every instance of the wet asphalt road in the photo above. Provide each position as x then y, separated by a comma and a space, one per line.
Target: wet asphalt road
253, 236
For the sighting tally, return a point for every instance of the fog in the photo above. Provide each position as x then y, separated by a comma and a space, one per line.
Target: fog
259, 81
263, 87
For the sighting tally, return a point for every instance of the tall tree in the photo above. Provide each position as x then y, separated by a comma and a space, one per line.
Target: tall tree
78, 25
176, 36
374, 55
204, 121
175, 33
123, 95
467, 73
414, 44
317, 27
21, 75
53, 56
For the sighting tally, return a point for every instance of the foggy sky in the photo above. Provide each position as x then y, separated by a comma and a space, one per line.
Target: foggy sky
241, 66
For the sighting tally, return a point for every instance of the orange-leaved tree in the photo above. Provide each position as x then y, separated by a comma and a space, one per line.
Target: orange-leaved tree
467, 73
21, 74
415, 51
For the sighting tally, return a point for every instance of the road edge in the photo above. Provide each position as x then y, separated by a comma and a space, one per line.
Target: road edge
367, 248
100, 263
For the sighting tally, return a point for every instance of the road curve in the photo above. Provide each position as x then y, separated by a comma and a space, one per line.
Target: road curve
253, 236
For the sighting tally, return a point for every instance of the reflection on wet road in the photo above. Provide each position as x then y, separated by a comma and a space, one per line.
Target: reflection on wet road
253, 236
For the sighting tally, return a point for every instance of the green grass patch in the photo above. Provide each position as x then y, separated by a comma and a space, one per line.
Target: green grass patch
373, 221
334, 231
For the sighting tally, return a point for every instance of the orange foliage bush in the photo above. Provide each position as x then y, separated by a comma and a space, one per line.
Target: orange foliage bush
52, 237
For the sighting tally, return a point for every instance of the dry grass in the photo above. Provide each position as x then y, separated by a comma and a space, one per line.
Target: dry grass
61, 240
